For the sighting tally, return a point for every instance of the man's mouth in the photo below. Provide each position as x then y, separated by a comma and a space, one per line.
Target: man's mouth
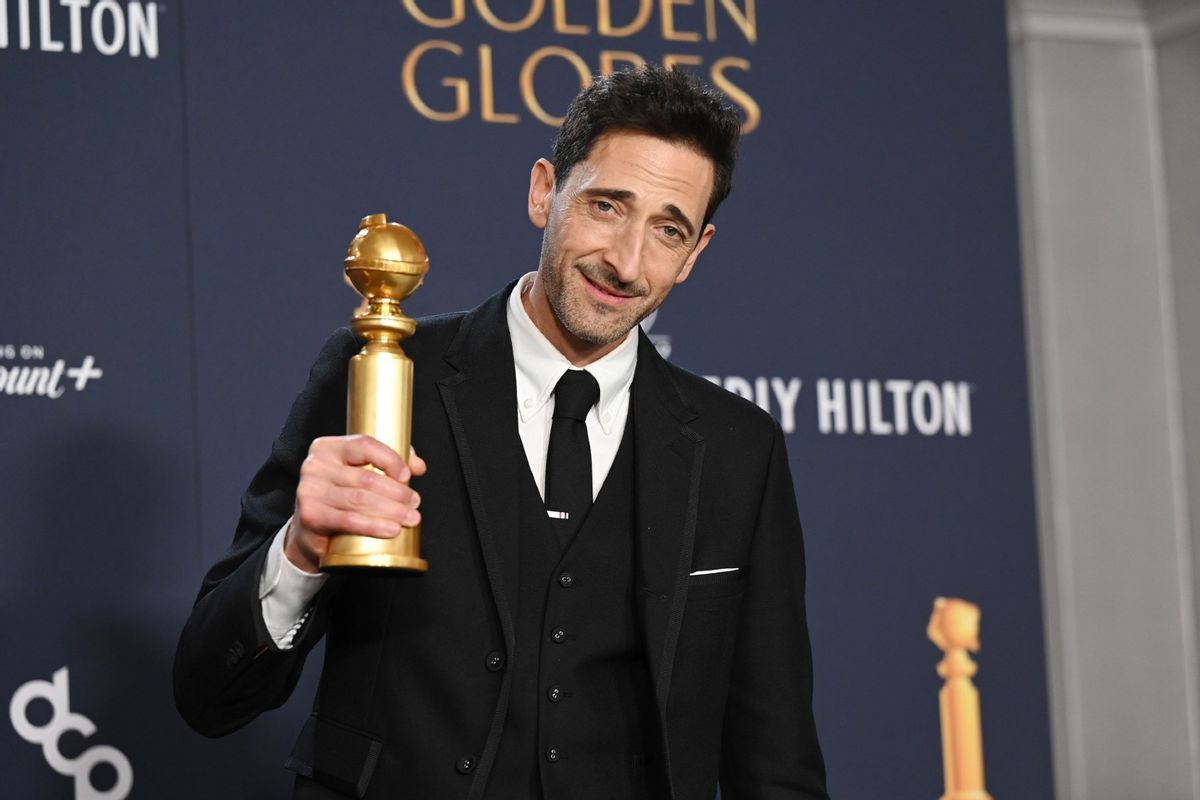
606, 293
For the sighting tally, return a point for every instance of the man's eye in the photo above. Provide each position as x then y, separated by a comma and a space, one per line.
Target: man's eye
604, 205
672, 232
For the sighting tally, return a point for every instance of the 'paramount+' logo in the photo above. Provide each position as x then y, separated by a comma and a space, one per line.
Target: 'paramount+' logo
24, 371
57, 693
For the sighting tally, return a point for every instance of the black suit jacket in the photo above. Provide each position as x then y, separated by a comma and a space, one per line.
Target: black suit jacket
414, 690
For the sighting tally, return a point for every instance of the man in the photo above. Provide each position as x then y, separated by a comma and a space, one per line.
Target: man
615, 603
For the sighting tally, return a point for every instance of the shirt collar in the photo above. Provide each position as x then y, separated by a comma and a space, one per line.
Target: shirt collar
540, 365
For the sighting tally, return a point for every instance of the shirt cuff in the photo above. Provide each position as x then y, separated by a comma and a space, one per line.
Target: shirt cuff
286, 592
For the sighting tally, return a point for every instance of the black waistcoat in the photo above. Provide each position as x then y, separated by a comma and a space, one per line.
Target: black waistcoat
582, 722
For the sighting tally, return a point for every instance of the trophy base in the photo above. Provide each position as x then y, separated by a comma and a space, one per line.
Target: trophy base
352, 553
403, 565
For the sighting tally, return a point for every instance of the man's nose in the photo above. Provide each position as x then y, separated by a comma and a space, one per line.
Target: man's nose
624, 255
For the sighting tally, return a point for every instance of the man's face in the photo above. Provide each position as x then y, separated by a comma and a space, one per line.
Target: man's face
619, 234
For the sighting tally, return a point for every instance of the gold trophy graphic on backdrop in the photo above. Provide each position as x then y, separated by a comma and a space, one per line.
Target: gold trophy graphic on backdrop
385, 263
954, 627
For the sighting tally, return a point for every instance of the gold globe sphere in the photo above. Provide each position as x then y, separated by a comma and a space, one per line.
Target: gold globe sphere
385, 260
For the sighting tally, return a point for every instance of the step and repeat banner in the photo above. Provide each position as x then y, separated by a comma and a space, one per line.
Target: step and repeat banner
178, 184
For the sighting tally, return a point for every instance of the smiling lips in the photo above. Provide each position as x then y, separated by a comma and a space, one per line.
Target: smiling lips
604, 294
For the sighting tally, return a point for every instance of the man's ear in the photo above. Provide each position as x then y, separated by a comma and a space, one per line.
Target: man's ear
705, 237
541, 190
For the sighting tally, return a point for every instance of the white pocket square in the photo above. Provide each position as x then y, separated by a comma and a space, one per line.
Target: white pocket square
713, 571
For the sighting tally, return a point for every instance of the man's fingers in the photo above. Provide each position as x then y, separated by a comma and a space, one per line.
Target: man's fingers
361, 450
337, 493
327, 520
368, 480
416, 463
360, 501
355, 522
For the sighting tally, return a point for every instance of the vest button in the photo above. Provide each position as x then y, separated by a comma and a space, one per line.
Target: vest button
559, 636
552, 754
465, 765
555, 694
566, 580
495, 661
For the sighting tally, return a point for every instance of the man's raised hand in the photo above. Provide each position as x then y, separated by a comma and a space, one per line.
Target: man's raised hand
336, 495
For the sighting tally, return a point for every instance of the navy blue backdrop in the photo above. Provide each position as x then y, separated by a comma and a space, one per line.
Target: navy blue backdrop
178, 184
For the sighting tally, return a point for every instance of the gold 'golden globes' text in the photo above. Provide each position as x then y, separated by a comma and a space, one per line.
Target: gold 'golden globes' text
466, 75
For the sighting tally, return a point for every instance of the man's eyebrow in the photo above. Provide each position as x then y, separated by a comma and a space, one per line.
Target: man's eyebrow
671, 209
615, 194
674, 213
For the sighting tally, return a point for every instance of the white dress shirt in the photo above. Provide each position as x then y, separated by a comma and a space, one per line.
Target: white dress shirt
286, 591
539, 366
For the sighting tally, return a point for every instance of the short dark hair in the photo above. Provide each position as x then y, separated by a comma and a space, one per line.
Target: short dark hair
666, 104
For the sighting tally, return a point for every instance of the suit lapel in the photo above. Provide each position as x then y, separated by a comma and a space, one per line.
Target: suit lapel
669, 456
480, 403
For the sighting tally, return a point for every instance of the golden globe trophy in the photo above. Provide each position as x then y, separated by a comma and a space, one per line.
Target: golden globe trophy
385, 263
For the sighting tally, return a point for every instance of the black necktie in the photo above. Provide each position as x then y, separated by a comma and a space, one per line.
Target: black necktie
569, 457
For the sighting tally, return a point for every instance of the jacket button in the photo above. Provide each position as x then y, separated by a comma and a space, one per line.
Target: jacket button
552, 754
495, 661
559, 636
555, 694
566, 580
234, 654
465, 765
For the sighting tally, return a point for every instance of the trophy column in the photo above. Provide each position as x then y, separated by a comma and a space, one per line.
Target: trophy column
385, 263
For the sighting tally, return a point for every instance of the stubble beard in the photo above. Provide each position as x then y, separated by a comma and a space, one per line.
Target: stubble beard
583, 317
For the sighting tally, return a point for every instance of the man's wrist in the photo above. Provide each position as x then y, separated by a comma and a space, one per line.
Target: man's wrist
295, 554
286, 592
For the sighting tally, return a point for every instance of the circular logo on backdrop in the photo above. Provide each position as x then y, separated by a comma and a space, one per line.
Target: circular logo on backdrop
57, 693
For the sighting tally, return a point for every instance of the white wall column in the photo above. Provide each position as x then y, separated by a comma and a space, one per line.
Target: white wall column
1107, 99
1179, 99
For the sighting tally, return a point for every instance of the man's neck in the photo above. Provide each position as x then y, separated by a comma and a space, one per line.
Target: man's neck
578, 351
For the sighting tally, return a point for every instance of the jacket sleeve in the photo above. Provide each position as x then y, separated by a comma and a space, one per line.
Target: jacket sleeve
769, 745
228, 669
